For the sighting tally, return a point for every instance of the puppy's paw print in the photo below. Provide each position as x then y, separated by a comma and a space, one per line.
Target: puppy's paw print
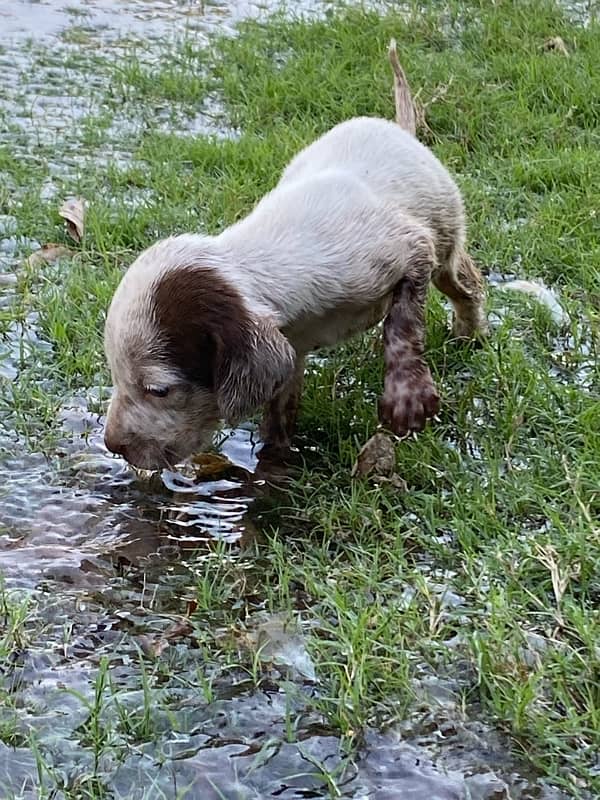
409, 400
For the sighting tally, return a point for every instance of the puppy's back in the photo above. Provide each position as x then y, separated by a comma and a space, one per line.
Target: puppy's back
393, 164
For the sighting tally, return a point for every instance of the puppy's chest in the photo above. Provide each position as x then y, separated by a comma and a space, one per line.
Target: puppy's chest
313, 331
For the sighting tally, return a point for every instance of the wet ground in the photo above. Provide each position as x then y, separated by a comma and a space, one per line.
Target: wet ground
105, 564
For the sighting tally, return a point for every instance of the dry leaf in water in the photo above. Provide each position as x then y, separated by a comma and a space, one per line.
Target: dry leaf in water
73, 212
204, 466
557, 44
209, 465
154, 646
48, 254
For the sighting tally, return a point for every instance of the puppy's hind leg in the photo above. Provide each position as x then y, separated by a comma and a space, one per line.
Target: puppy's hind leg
409, 396
461, 281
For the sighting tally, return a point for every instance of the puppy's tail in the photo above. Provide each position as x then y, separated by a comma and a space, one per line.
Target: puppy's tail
405, 108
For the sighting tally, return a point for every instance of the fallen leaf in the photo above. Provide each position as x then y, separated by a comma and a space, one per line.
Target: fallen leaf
377, 460
152, 647
178, 630
557, 44
191, 606
190, 477
208, 465
73, 211
377, 455
48, 254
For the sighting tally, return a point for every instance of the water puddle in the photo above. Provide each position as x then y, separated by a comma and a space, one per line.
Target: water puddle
87, 505
24, 20
111, 564
51, 54
571, 343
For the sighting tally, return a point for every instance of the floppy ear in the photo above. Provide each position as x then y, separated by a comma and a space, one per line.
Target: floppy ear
248, 376
217, 343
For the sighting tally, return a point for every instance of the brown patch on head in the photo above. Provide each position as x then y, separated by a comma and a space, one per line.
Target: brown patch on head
199, 315
206, 332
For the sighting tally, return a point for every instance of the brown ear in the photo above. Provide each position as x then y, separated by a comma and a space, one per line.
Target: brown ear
217, 343
248, 376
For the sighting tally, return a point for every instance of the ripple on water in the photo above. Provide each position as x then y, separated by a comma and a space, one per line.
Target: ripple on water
88, 504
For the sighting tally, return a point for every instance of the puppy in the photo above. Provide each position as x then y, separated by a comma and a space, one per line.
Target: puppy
209, 328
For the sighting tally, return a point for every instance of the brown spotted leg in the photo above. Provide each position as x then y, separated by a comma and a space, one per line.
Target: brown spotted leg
281, 412
409, 396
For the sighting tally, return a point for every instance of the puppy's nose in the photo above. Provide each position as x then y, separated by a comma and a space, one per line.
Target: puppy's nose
114, 444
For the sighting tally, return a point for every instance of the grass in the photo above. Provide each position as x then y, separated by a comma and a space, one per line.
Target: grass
503, 504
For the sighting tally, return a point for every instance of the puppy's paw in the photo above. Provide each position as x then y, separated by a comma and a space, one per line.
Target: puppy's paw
409, 400
470, 329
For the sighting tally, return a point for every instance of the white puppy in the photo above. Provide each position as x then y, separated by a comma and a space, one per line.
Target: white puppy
210, 328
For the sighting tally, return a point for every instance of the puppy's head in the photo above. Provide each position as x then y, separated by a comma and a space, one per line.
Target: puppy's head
184, 351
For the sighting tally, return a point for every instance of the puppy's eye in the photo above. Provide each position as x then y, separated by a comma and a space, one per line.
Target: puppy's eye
157, 391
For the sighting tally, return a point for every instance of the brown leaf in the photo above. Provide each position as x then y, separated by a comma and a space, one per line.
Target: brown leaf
178, 630
191, 605
152, 647
48, 254
557, 44
73, 211
376, 456
209, 465
377, 460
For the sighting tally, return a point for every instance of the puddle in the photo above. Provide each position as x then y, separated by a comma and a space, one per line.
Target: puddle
108, 569
85, 504
46, 20
571, 342
50, 54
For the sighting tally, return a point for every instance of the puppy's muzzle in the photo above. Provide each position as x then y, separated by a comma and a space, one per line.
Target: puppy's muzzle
115, 444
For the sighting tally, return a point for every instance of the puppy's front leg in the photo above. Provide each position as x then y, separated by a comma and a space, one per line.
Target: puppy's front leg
281, 412
409, 396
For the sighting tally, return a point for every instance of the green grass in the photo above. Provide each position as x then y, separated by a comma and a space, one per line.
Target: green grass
503, 501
